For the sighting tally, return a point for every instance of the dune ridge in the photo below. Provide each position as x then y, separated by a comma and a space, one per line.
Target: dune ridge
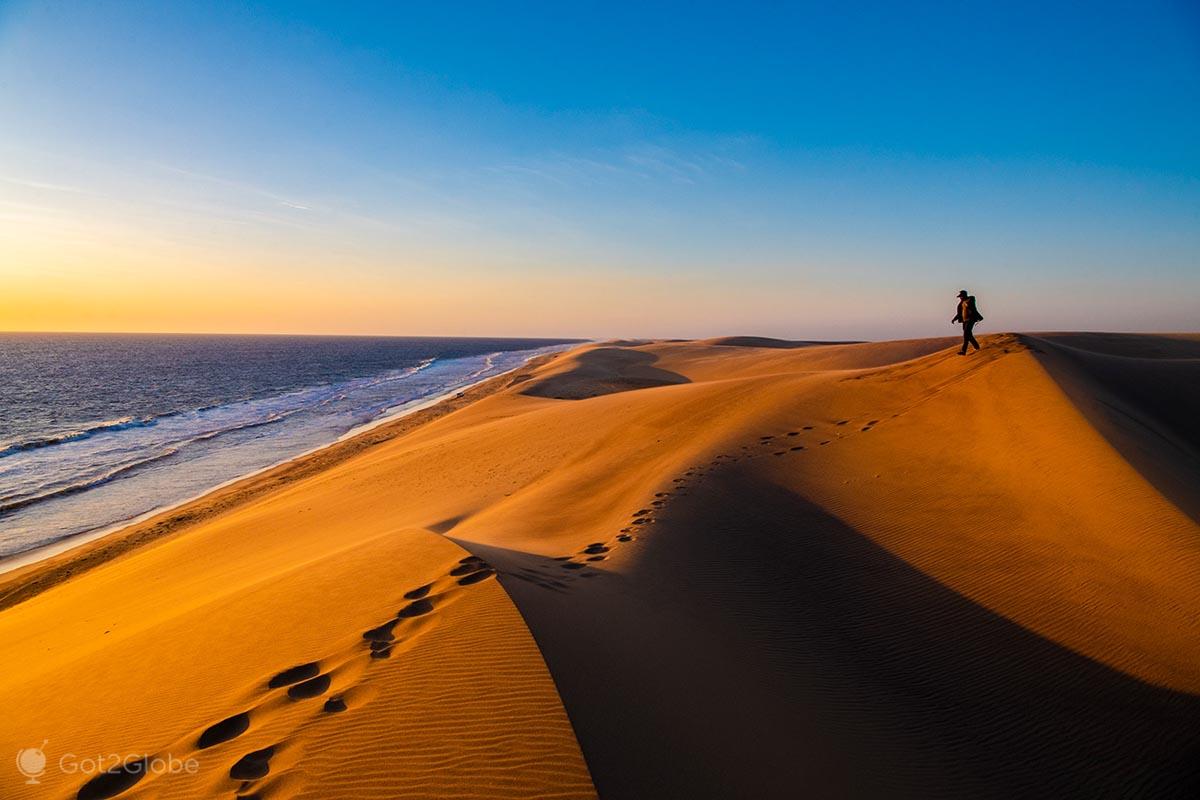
727, 568
1140, 392
1051, 558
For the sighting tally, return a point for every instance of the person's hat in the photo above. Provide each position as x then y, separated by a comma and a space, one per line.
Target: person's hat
963, 293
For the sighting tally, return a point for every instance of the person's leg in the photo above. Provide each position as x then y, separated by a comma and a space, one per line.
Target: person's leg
969, 336
966, 338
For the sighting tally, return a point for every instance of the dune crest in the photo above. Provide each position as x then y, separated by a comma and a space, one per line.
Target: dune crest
1141, 393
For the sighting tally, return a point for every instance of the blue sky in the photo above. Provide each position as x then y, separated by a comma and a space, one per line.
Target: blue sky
599, 169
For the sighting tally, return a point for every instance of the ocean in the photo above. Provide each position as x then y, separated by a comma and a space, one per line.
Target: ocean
97, 429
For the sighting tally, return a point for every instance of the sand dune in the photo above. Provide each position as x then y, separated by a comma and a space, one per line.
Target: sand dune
728, 568
601, 370
1141, 393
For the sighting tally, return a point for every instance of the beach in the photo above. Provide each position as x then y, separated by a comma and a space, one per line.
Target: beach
102, 430
728, 568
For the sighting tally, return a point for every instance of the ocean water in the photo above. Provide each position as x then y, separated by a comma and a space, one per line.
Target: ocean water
96, 429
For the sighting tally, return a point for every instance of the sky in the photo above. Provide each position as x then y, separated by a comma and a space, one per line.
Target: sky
801, 170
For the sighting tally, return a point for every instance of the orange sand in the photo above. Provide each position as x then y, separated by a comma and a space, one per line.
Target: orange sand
731, 568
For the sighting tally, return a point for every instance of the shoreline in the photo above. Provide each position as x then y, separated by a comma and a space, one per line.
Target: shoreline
27, 574
67, 543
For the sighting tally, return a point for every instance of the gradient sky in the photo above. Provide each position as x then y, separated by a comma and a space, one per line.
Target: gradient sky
575, 169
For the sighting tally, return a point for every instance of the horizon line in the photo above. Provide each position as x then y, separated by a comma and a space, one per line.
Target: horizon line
284, 333
1195, 332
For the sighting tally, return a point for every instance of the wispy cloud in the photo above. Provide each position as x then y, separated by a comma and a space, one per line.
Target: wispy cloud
239, 186
52, 187
644, 161
524, 170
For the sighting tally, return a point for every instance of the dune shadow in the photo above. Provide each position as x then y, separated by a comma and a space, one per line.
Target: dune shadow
928, 692
759, 647
767, 342
1141, 393
1129, 345
604, 370
446, 525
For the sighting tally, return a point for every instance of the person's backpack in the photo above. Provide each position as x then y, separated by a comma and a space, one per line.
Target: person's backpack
974, 309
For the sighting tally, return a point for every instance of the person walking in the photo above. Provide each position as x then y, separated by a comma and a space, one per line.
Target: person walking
968, 314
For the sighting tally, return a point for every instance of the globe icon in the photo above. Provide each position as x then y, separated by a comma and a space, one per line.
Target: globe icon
31, 762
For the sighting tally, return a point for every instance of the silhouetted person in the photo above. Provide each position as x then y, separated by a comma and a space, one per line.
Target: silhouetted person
968, 315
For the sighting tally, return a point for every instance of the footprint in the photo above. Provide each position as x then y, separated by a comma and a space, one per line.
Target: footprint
825, 442
597, 558
595, 549
295, 674
253, 766
224, 730
807, 428
798, 447
843, 421
304, 681
779, 453
114, 781
468, 568
383, 633
415, 609
313, 688
793, 433
419, 592
572, 565
624, 537
476, 577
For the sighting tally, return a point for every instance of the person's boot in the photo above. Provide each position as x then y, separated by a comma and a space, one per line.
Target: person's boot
962, 352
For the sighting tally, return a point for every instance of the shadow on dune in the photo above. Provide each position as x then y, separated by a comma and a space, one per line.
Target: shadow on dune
603, 370
446, 525
760, 648
1141, 392
1132, 345
764, 341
